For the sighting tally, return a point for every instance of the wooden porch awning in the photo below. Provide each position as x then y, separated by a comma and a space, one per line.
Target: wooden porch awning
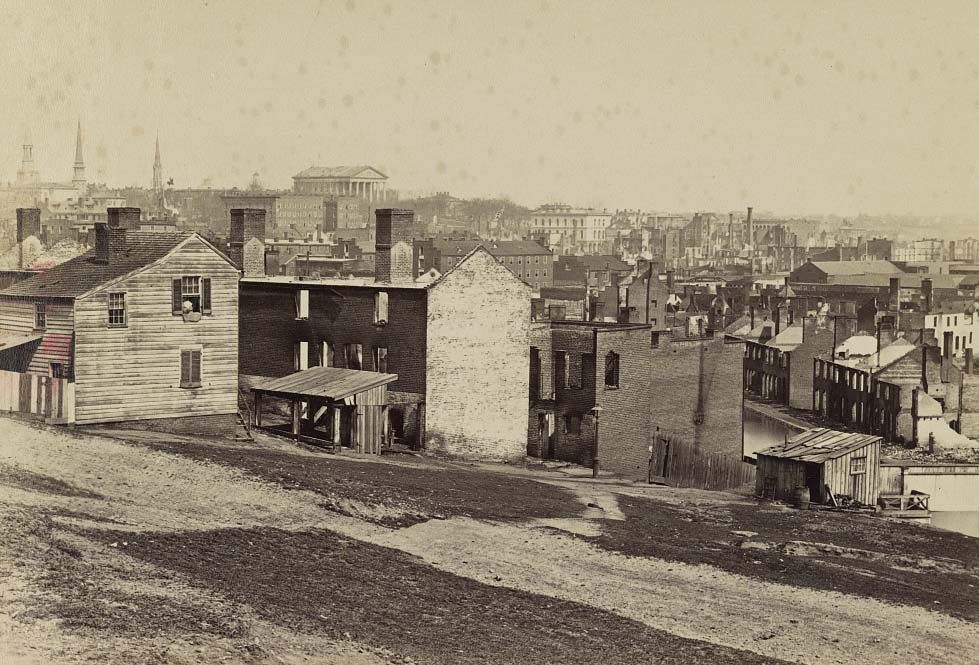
324, 383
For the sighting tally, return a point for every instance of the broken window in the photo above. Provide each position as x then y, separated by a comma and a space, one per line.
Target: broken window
572, 423
381, 359
328, 354
575, 370
381, 307
353, 354
302, 356
302, 304
561, 369
612, 370
190, 368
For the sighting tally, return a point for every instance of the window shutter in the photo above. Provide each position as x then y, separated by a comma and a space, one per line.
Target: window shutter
184, 368
195, 367
206, 296
176, 296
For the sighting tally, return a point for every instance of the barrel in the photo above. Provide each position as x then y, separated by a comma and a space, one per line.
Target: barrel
802, 498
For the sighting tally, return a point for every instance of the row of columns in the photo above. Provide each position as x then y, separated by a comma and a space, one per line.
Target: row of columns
372, 190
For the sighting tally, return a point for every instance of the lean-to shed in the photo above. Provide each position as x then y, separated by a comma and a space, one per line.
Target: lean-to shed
847, 462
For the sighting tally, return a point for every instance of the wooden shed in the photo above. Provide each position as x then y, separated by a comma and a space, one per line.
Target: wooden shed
331, 405
847, 462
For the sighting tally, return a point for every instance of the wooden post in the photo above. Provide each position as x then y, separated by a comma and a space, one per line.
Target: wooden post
258, 409
295, 419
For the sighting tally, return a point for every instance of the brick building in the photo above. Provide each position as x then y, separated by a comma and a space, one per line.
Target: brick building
696, 391
643, 296
577, 366
345, 212
527, 259
458, 344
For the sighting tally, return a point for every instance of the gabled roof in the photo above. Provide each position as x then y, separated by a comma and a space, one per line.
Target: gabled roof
788, 339
495, 247
740, 327
80, 275
876, 362
820, 444
362, 171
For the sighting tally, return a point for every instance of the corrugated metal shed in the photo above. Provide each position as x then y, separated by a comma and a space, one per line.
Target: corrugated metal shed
328, 383
820, 444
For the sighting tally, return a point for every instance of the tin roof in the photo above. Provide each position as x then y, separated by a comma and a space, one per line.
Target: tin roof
820, 444
332, 383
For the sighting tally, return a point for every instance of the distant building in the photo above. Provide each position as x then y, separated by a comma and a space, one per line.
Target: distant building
572, 230
143, 328
300, 216
267, 201
364, 182
525, 258
345, 212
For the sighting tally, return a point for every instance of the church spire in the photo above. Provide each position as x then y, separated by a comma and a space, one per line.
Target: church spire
79, 178
157, 168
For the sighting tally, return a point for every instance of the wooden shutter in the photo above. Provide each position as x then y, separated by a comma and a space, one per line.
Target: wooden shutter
176, 296
184, 368
206, 296
195, 368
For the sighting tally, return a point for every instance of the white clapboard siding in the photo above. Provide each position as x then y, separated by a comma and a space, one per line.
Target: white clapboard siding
133, 373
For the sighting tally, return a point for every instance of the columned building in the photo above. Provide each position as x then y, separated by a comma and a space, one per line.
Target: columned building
364, 182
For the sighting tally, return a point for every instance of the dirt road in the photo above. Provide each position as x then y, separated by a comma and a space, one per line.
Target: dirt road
143, 548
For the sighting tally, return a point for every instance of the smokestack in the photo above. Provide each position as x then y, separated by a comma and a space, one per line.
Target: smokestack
246, 223
28, 224
750, 240
394, 236
927, 293
670, 280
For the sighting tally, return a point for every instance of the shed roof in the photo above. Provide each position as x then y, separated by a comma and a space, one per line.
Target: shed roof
332, 383
820, 445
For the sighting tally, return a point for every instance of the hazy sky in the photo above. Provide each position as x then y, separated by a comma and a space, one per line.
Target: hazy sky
802, 107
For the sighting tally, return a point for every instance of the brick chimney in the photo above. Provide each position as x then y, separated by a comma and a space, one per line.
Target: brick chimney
394, 236
894, 294
927, 294
246, 223
110, 237
28, 224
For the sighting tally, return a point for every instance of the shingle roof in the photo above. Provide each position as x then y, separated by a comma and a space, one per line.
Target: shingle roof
80, 275
337, 172
819, 445
332, 383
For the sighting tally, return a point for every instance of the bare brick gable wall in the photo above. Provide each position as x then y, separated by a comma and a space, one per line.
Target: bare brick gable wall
676, 371
478, 361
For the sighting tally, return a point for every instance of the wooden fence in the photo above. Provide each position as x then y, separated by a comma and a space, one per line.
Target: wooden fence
680, 464
43, 396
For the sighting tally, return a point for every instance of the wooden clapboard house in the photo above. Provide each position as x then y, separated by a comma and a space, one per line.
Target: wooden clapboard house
142, 328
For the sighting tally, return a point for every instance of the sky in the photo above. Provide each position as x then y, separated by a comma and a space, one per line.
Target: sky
796, 107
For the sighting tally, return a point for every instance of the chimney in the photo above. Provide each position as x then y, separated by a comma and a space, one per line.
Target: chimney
110, 236
894, 294
246, 223
394, 237
924, 368
670, 280
749, 240
778, 320
28, 224
126, 219
968, 360
927, 293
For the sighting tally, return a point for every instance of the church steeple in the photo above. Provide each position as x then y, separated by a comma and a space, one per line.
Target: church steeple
157, 168
79, 178
27, 175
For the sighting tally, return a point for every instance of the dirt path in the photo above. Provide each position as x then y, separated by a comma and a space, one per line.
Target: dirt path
101, 483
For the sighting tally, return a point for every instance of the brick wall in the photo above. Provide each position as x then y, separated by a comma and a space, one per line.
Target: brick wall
623, 428
268, 329
478, 361
969, 421
817, 339
678, 370
253, 263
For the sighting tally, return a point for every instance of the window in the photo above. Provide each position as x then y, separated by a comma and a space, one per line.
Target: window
353, 356
302, 304
381, 359
652, 321
561, 369
58, 371
117, 309
858, 465
612, 370
381, 307
572, 423
190, 368
40, 316
653, 303
302, 356
191, 294
327, 354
